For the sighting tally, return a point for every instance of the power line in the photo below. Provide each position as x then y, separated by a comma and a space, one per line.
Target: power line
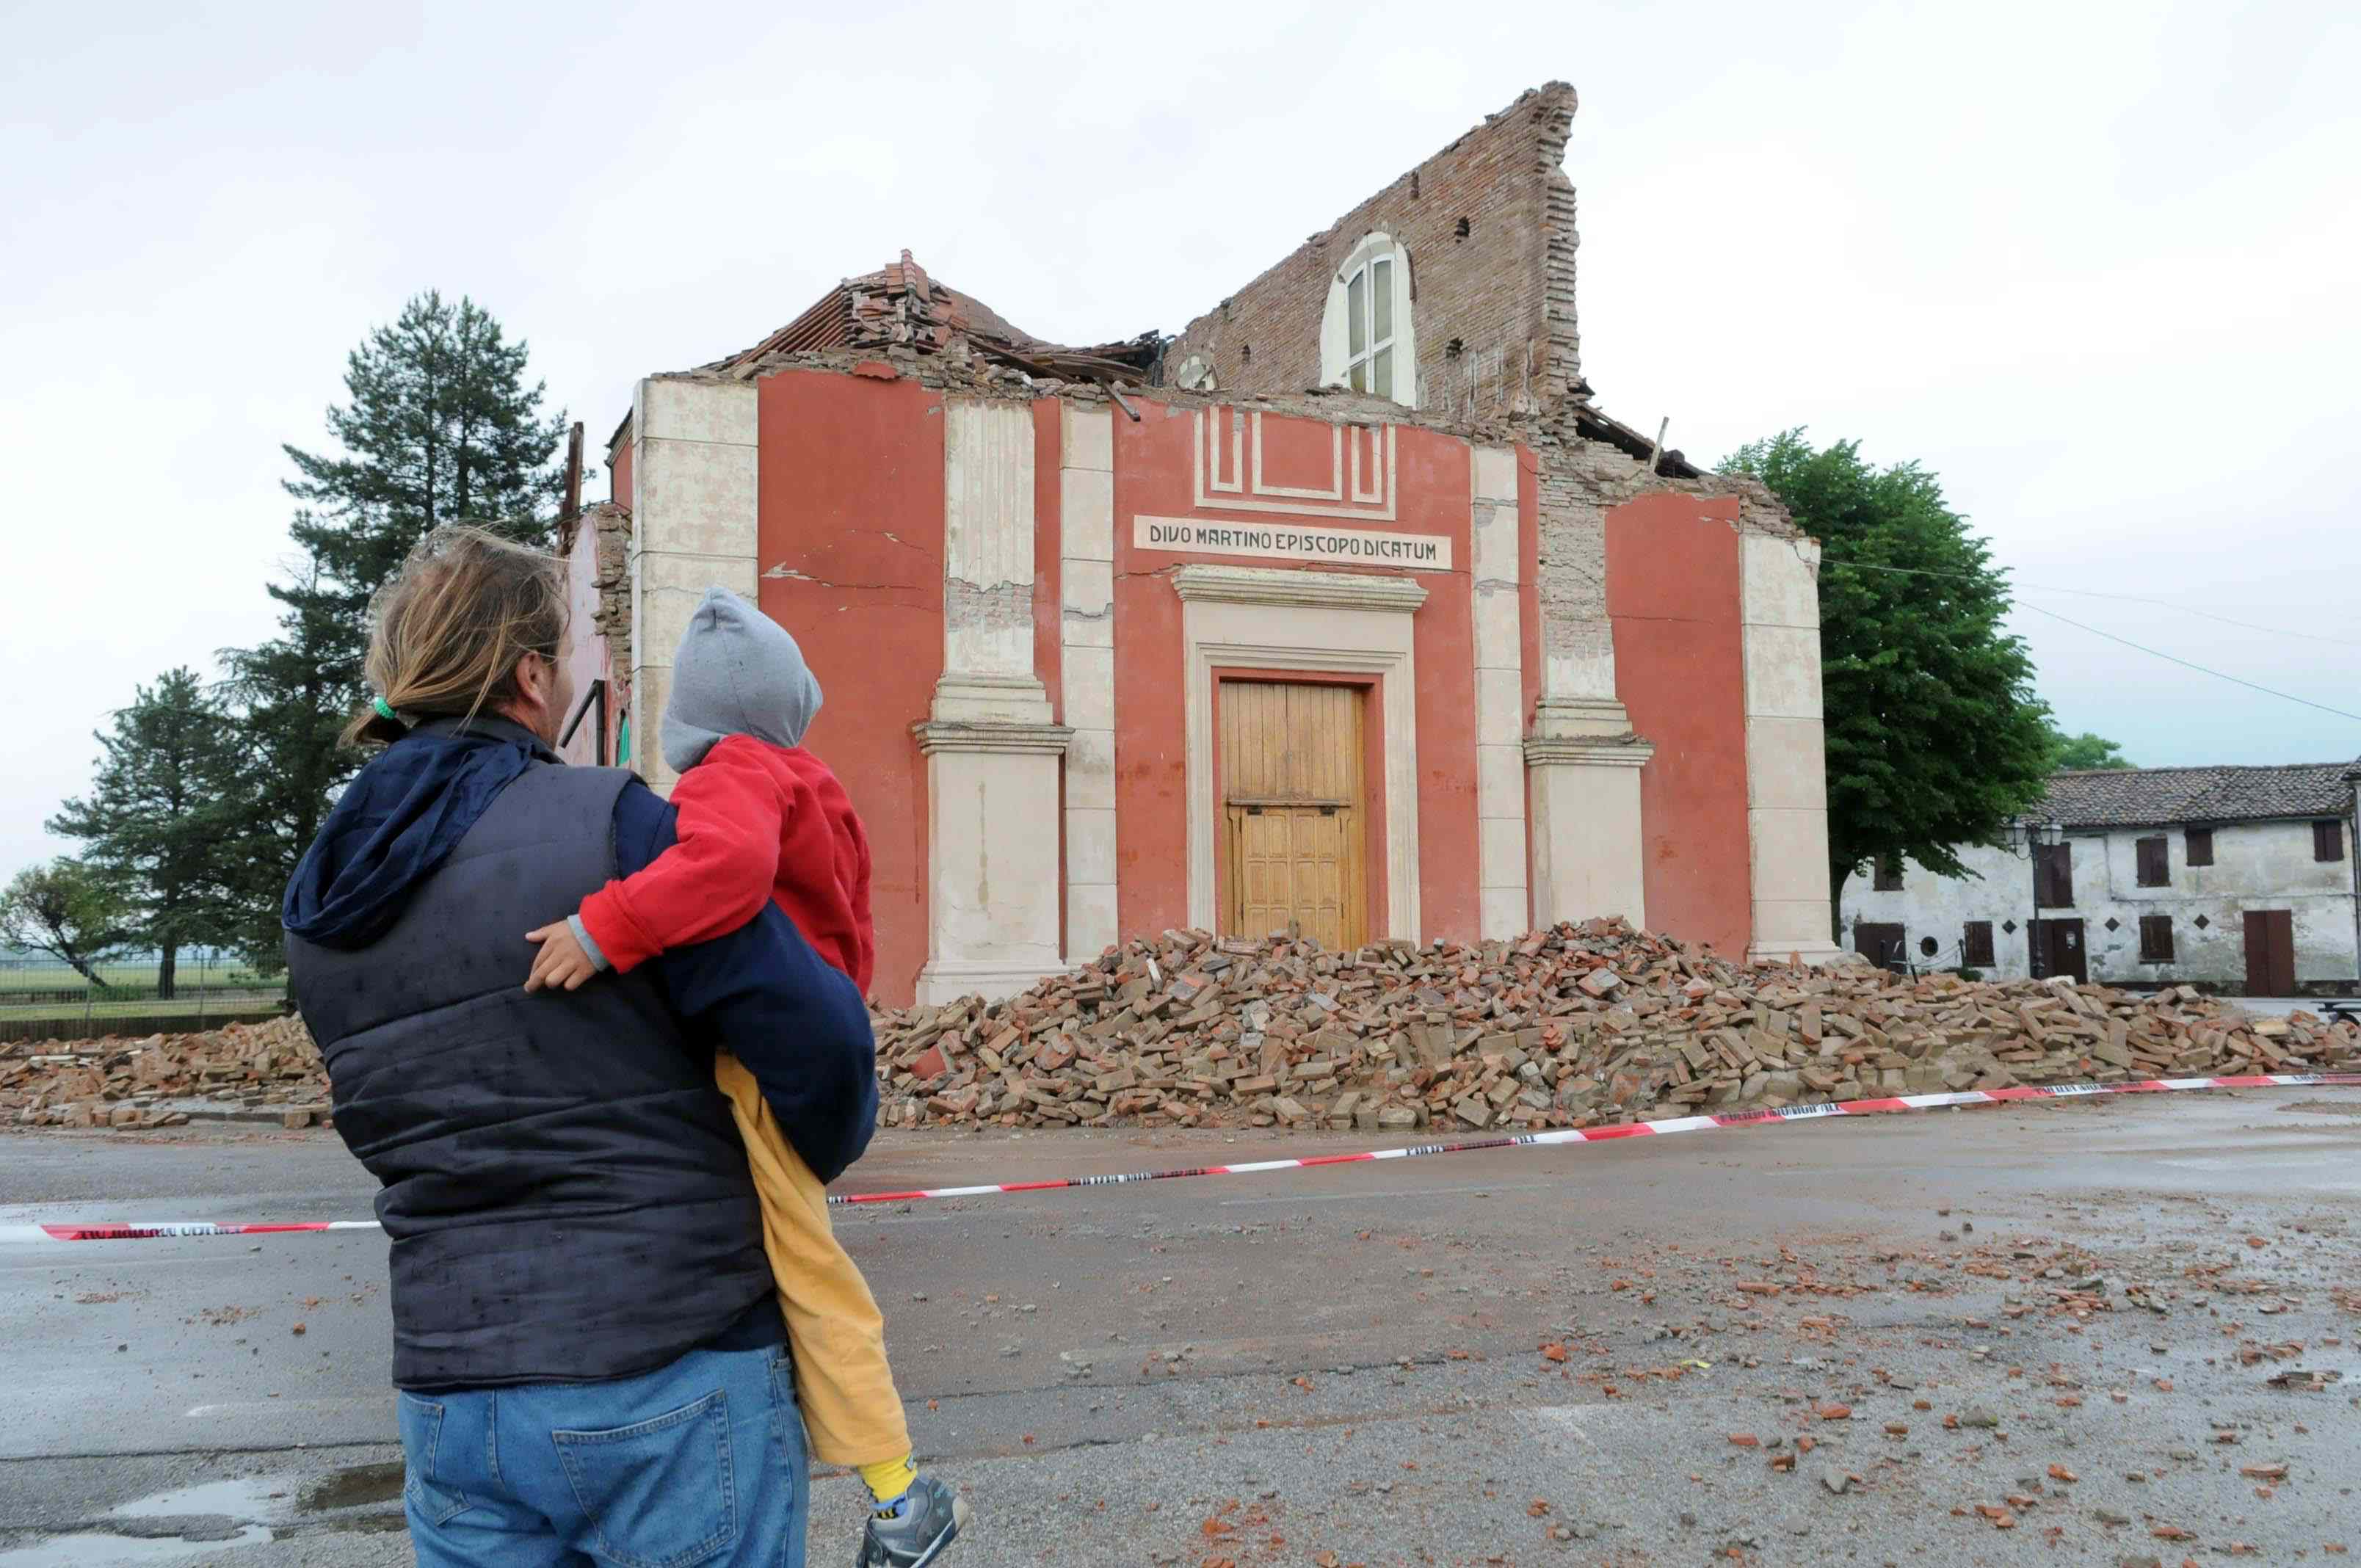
2136, 647
2200, 669
2096, 593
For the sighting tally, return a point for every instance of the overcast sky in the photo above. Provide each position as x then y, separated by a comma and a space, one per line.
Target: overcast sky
2094, 264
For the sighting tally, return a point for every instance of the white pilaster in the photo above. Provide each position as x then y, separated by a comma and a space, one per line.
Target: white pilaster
991, 751
1506, 909
988, 566
1786, 763
1577, 635
693, 526
992, 858
1086, 666
1585, 827
1582, 760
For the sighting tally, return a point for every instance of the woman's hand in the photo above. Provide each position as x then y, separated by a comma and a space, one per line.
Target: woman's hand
561, 964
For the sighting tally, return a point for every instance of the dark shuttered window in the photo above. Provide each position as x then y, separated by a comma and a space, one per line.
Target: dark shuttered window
1976, 944
1889, 875
2328, 840
2053, 880
2155, 939
2155, 862
2199, 843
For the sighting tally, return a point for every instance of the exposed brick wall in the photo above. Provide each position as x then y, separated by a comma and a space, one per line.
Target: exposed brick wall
1503, 292
612, 533
1579, 481
1562, 367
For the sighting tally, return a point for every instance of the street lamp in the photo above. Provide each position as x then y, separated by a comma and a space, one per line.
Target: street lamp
2028, 839
2353, 778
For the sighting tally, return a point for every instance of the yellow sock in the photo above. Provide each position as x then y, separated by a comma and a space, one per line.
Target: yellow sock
889, 1478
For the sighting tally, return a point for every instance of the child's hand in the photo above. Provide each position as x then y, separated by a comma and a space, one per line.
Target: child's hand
561, 963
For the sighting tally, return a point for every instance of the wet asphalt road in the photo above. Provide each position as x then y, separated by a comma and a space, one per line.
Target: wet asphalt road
1350, 1360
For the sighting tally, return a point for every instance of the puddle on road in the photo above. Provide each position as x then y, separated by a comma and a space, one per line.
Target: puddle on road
216, 1515
353, 1486
283, 1498
123, 1550
251, 1498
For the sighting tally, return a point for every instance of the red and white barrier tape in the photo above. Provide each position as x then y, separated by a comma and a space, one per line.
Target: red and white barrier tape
156, 1230
143, 1230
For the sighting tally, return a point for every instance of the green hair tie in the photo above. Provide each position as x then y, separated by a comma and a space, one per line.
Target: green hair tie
385, 709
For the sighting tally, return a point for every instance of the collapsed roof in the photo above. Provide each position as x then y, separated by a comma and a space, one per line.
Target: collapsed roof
900, 305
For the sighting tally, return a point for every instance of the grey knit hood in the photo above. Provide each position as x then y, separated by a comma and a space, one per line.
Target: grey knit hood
737, 673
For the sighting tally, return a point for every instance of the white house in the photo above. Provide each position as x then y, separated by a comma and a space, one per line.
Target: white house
2236, 879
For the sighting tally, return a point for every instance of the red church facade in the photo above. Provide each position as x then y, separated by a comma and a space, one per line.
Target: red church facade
1105, 655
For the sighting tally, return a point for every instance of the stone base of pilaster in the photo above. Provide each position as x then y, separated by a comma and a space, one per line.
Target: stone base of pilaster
1823, 951
993, 828
948, 982
1586, 840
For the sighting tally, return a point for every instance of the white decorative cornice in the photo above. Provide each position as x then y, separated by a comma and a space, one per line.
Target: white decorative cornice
947, 735
1543, 749
1324, 590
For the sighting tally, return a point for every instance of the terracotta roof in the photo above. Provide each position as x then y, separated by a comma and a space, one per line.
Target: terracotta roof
2141, 798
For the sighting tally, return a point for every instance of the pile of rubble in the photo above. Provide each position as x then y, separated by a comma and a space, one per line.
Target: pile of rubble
1566, 1028
150, 1082
1569, 1027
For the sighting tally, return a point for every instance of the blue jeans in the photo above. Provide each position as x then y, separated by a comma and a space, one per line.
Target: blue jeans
700, 1463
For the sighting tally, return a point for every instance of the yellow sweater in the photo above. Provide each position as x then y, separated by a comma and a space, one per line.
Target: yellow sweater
851, 1407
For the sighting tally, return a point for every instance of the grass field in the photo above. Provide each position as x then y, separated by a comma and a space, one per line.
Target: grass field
30, 990
44, 974
237, 1005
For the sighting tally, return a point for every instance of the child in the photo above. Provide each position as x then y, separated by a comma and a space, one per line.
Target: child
759, 818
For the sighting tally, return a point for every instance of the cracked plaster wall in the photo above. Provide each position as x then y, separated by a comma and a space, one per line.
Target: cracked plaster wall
1580, 481
988, 538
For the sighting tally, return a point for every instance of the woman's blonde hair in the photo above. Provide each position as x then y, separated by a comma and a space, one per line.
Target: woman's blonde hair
446, 631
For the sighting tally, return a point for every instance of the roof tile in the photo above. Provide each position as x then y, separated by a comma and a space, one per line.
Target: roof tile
2140, 798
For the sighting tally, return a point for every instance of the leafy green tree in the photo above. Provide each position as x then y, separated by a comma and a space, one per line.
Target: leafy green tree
65, 910
1935, 738
162, 817
440, 426
2086, 750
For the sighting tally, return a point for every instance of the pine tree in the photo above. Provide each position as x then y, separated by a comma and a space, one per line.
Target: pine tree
1934, 737
441, 427
162, 817
293, 696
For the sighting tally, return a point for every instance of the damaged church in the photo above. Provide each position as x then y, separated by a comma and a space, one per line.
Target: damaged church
1348, 611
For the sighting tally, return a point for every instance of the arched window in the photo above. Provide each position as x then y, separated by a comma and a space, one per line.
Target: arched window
1366, 339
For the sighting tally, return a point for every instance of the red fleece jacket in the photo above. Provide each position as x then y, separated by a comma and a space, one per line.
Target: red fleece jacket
756, 821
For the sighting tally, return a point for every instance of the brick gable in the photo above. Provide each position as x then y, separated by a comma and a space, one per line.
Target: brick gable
1502, 292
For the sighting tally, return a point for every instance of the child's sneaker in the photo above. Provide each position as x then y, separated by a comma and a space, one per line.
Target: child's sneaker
927, 1520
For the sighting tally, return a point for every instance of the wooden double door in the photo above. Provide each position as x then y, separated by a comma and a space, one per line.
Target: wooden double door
1881, 942
2270, 952
2057, 949
1294, 810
